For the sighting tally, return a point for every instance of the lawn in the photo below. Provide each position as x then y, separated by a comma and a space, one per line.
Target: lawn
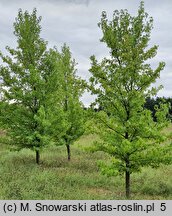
56, 178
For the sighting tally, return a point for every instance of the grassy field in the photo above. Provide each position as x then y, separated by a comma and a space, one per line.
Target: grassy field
56, 178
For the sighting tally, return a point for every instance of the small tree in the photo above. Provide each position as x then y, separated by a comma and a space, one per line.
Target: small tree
122, 82
73, 88
27, 75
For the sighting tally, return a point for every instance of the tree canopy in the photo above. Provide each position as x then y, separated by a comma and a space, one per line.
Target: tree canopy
121, 82
27, 74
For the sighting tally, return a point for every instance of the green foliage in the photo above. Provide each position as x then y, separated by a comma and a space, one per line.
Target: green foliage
70, 91
73, 88
29, 87
40, 105
152, 103
40, 90
121, 83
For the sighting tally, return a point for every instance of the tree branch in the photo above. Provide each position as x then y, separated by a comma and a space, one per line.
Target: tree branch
111, 127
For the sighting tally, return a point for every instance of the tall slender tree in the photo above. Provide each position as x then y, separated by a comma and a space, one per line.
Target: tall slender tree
121, 82
73, 88
27, 74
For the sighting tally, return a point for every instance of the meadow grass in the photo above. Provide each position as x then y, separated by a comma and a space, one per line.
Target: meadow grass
56, 178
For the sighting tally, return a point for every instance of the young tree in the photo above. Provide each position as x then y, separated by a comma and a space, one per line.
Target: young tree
73, 88
27, 75
122, 82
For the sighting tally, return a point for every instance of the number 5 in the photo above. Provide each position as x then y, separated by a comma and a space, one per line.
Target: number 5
163, 206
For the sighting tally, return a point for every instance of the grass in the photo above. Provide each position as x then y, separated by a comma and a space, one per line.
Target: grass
56, 178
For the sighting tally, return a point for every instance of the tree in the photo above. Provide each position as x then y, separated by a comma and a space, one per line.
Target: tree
73, 88
121, 82
54, 96
27, 74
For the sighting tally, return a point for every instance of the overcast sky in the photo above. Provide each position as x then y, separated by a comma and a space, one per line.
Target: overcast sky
75, 22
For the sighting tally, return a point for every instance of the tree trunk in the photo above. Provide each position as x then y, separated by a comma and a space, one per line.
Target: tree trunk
68, 151
37, 156
127, 184
127, 172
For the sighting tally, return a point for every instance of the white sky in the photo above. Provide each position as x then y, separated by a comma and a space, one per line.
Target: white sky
75, 22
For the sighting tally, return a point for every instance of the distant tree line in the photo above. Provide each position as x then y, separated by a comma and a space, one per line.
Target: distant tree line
152, 103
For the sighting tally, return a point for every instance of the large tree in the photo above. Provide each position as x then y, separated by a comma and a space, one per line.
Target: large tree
28, 86
121, 82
